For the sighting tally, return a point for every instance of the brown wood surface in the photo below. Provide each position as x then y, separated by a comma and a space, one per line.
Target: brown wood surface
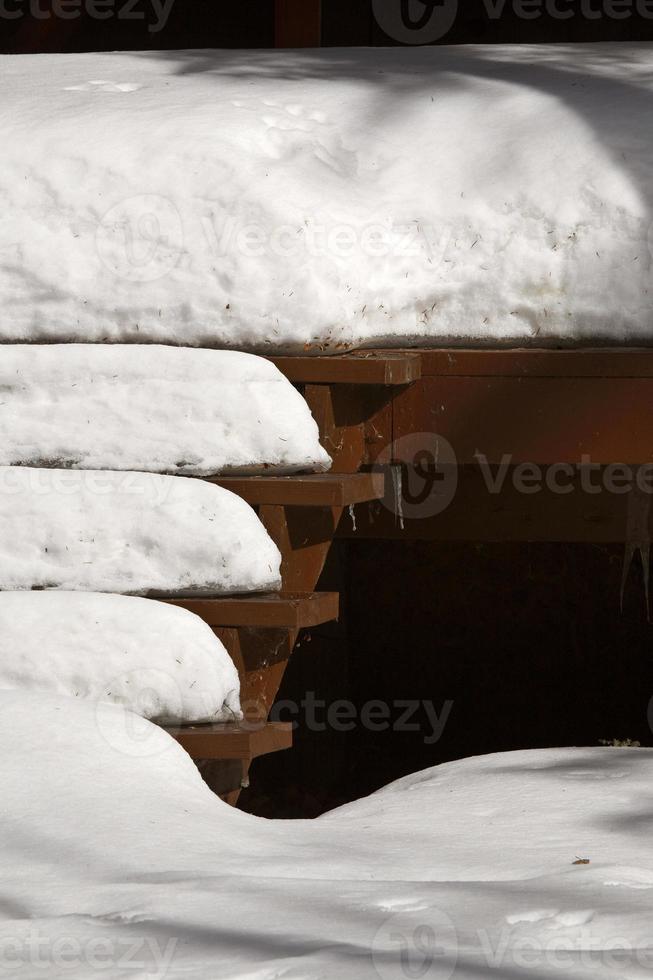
313, 490
304, 537
233, 741
261, 658
531, 419
290, 610
298, 23
355, 422
582, 363
358, 368
476, 514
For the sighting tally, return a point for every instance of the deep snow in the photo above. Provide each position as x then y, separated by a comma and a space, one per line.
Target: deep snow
101, 531
283, 200
111, 857
163, 409
162, 662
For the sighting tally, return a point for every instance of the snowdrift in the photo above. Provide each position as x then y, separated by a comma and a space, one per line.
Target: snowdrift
159, 661
129, 858
135, 533
161, 409
330, 198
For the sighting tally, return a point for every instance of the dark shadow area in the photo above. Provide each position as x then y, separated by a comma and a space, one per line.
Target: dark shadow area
345, 23
526, 640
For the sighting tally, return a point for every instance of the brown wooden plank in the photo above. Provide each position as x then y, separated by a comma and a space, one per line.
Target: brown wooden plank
360, 368
304, 538
355, 422
274, 610
477, 514
539, 420
233, 741
298, 23
261, 658
313, 490
542, 363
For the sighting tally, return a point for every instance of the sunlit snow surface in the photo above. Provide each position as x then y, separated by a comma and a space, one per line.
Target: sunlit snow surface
112, 847
155, 408
310, 200
140, 533
158, 660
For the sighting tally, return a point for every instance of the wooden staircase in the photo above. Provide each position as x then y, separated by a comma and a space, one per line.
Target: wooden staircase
543, 407
350, 398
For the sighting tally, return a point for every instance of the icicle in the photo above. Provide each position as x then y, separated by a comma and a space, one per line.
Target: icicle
353, 517
397, 489
638, 538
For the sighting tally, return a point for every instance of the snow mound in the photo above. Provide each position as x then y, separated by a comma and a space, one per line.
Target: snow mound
472, 863
141, 533
157, 660
164, 409
331, 198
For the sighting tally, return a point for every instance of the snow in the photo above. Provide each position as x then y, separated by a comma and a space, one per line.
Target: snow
111, 858
101, 531
292, 200
165, 409
157, 660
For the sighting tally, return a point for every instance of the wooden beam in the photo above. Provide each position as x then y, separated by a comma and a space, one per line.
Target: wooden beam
355, 422
298, 23
274, 610
530, 419
304, 537
392, 368
233, 741
586, 514
314, 490
583, 363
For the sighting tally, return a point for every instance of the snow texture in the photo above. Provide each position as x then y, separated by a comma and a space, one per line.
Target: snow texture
319, 200
161, 409
157, 660
135, 533
113, 852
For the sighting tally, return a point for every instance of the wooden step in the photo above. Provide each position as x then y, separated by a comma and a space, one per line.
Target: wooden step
233, 741
312, 490
276, 610
357, 368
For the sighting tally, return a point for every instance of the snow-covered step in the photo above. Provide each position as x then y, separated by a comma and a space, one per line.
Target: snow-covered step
494, 204
311, 490
274, 610
243, 740
154, 408
161, 662
138, 533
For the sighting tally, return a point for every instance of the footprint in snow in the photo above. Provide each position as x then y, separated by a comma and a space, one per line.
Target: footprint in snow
403, 905
102, 86
579, 917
